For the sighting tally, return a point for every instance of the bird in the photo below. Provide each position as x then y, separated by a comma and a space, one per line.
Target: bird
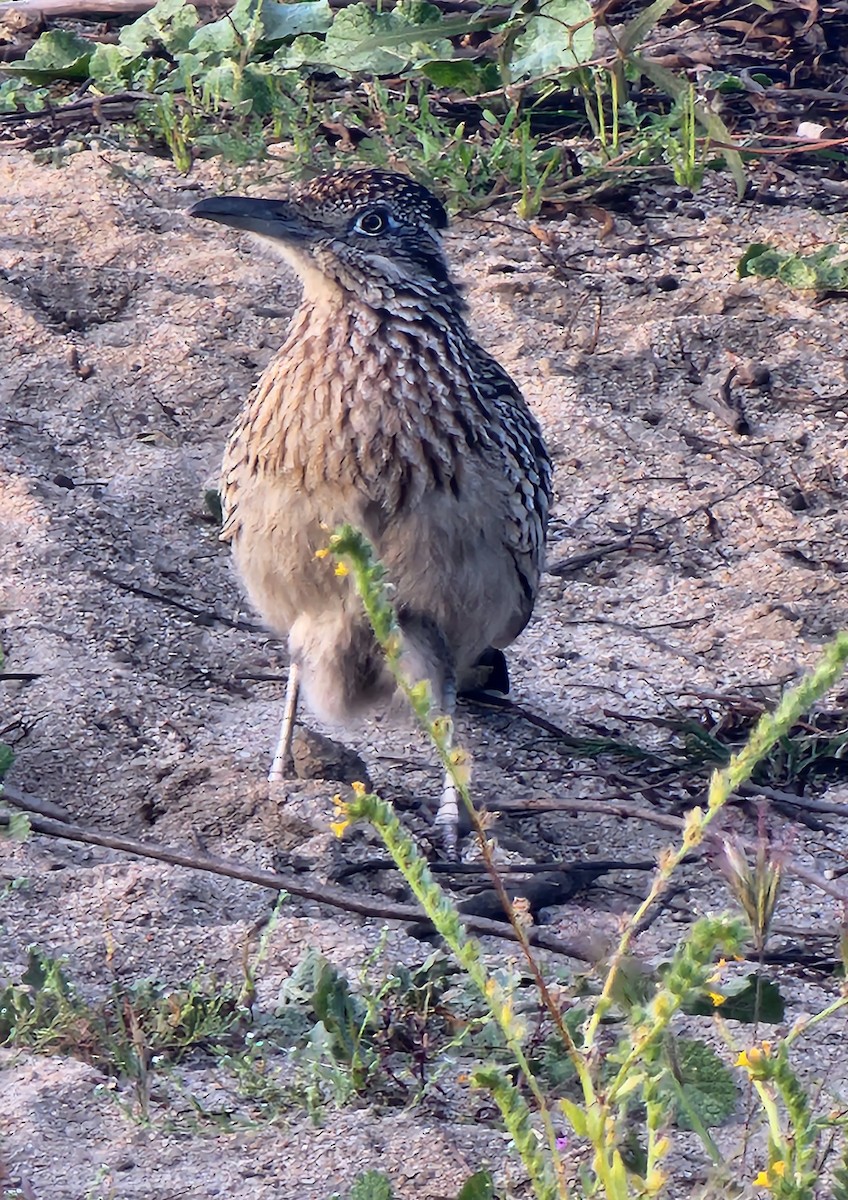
381, 411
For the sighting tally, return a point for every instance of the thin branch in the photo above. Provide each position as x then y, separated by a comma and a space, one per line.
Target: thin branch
581, 948
604, 808
200, 616
566, 565
44, 808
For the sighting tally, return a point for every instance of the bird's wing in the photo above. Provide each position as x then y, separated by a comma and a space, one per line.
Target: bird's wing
516, 434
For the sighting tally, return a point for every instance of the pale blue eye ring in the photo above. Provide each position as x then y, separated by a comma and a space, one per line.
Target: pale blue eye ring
371, 222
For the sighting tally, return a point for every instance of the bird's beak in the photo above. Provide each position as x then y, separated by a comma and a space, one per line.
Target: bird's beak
273, 219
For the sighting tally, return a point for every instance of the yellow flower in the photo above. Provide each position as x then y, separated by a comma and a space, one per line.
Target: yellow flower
460, 761
341, 570
655, 1181
769, 1177
342, 816
717, 999
359, 789
752, 1059
324, 552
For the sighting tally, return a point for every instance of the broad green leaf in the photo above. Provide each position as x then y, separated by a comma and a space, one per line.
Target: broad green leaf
809, 272
112, 68
58, 54
171, 23
286, 20
812, 273
361, 41
247, 88
756, 251
18, 827
478, 1186
702, 1086
372, 1185
558, 37
635, 31
264, 20
461, 73
576, 1116
748, 999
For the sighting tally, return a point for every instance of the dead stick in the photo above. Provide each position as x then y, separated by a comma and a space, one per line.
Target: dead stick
582, 949
44, 808
711, 840
88, 8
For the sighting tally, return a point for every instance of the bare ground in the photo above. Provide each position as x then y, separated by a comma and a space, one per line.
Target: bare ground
130, 340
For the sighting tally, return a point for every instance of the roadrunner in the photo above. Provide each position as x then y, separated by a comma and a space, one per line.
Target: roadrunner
382, 411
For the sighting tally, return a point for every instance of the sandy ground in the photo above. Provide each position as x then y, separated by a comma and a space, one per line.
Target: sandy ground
130, 339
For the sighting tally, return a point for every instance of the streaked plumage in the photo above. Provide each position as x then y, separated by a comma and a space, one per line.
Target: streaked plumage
381, 410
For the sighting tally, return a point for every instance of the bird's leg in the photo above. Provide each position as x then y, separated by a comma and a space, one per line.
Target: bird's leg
282, 764
447, 817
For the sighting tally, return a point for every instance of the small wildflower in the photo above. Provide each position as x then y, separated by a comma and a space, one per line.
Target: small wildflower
341, 570
442, 728
752, 1060
460, 766
769, 1177
324, 552
342, 816
717, 998
562, 1143
359, 789
655, 1182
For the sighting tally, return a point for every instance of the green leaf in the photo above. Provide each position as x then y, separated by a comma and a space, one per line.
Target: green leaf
809, 272
479, 1186
749, 266
813, 273
375, 43
558, 37
674, 86
18, 827
287, 20
6, 757
340, 1011
461, 73
171, 24
635, 31
261, 20
112, 67
58, 54
576, 1117
372, 1185
749, 999
703, 1089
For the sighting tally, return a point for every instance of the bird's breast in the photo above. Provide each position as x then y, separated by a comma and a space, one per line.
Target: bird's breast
359, 402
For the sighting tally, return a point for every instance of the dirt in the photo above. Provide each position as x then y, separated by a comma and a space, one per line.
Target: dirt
131, 337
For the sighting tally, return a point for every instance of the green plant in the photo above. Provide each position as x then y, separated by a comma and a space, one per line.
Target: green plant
637, 1084
232, 85
128, 1033
825, 270
18, 826
374, 1185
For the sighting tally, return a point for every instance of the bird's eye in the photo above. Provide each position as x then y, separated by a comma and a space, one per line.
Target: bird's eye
371, 222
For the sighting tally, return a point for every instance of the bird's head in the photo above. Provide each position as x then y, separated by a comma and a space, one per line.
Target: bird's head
366, 232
